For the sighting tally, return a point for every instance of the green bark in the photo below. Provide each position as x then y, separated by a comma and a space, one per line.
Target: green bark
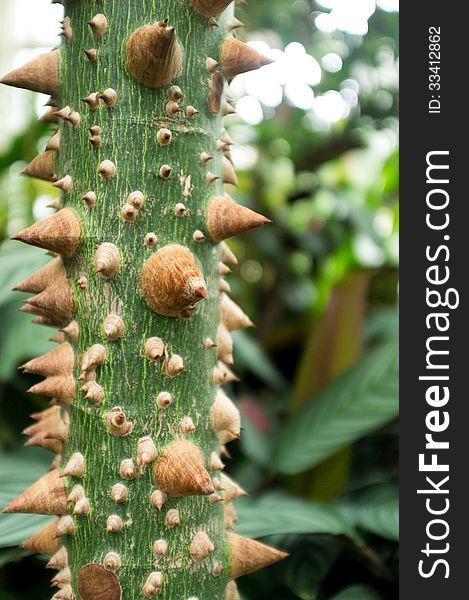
129, 379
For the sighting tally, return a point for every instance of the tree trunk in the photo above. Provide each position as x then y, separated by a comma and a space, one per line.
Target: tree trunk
141, 158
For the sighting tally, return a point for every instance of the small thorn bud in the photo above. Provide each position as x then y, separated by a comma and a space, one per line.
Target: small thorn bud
112, 561
119, 493
98, 25
127, 469
164, 136
227, 109
154, 348
95, 141
198, 236
92, 100
174, 366
63, 112
157, 499
129, 213
172, 518
165, 171
211, 178
107, 260
113, 327
136, 199
74, 118
201, 547
172, 108
208, 343
164, 399
82, 507
107, 169
191, 111
235, 24
72, 330
93, 391
95, 130
91, 54
82, 282
150, 240
214, 498
153, 584
114, 524
180, 209
116, 422
215, 462
217, 569
75, 466
160, 548
204, 158
186, 425
92, 358
67, 29
175, 93
109, 97
210, 64
146, 451
64, 184
89, 199
223, 269
76, 493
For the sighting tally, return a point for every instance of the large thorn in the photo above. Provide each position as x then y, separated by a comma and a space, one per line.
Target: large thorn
47, 496
172, 282
56, 300
59, 233
41, 167
59, 361
153, 54
180, 471
248, 555
43, 542
210, 8
52, 272
237, 57
60, 387
232, 316
226, 218
38, 75
225, 416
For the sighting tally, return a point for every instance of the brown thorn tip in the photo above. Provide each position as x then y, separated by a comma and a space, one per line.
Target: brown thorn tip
61, 233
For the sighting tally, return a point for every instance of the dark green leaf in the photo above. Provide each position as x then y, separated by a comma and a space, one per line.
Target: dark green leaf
252, 357
374, 509
275, 514
354, 404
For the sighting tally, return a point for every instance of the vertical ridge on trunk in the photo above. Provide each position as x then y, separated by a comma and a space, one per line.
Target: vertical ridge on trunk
140, 160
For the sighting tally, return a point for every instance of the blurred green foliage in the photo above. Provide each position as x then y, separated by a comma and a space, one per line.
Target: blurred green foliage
319, 374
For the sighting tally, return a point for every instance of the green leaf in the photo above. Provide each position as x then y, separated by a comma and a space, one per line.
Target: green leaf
354, 404
18, 470
357, 592
17, 263
276, 513
253, 358
374, 509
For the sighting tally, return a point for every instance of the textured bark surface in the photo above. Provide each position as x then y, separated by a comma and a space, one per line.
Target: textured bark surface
129, 379
141, 421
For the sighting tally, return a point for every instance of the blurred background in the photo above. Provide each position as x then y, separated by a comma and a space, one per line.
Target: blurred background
316, 150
